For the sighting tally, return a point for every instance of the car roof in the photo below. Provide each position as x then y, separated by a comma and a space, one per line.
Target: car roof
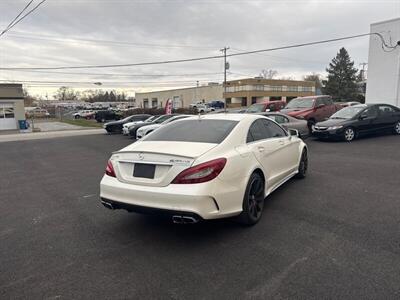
228, 116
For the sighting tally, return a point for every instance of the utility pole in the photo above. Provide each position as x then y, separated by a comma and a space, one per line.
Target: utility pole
226, 66
363, 70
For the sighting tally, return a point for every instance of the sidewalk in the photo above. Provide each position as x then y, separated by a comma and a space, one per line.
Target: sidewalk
48, 135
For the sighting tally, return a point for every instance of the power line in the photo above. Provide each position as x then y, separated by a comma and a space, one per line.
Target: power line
20, 13
23, 17
119, 74
104, 82
202, 58
53, 38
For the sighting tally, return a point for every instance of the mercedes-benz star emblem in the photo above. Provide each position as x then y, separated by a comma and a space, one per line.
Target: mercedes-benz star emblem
141, 156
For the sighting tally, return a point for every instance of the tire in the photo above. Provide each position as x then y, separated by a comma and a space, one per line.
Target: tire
303, 165
77, 117
397, 128
349, 134
103, 120
310, 124
253, 201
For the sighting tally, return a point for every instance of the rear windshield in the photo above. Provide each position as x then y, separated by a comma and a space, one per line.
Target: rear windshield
197, 131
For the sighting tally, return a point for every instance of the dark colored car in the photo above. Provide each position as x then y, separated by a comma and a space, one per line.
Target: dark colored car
266, 106
216, 104
133, 129
357, 120
102, 116
313, 109
116, 126
289, 122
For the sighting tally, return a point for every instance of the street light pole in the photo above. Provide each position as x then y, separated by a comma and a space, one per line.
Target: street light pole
225, 68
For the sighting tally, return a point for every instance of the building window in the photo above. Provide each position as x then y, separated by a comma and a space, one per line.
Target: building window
292, 88
176, 102
154, 103
276, 88
145, 103
7, 112
306, 88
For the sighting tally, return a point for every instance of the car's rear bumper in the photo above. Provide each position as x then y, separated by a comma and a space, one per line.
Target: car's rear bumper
209, 200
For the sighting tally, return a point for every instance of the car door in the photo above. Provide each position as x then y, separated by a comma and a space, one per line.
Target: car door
367, 122
386, 117
288, 151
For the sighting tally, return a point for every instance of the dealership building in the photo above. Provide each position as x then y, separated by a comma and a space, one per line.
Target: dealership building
383, 82
11, 106
243, 92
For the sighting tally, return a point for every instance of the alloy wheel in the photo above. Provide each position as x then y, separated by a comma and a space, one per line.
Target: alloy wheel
256, 198
349, 134
397, 127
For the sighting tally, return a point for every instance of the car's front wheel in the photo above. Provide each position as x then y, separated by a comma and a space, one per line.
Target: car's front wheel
253, 201
303, 165
397, 127
349, 134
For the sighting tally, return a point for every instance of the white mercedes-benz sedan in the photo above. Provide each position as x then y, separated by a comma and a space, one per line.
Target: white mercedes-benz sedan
205, 167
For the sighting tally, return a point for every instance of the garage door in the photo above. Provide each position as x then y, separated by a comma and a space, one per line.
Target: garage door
7, 117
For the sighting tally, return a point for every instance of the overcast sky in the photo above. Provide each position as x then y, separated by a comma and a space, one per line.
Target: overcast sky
92, 32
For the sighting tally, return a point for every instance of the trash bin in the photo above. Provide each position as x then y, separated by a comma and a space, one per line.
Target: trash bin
23, 125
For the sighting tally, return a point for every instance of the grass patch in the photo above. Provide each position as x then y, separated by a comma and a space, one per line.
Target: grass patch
83, 123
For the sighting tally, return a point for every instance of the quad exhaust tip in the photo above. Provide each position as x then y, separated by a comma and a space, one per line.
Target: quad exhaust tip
184, 220
107, 205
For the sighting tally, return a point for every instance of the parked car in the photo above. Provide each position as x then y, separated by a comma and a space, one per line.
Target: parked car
84, 114
289, 122
346, 104
204, 108
215, 166
36, 112
133, 129
313, 109
195, 104
116, 126
266, 106
126, 126
145, 130
102, 116
217, 104
354, 121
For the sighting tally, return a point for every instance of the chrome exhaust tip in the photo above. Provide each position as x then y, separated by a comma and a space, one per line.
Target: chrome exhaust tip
177, 219
184, 220
189, 220
107, 205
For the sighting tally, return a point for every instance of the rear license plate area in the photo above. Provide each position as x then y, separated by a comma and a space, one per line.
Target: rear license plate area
144, 170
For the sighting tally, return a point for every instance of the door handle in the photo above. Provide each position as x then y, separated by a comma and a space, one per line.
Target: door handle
260, 149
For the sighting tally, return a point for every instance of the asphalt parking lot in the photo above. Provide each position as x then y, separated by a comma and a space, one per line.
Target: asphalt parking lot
335, 234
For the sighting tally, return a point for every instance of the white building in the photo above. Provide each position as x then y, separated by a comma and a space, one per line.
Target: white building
383, 83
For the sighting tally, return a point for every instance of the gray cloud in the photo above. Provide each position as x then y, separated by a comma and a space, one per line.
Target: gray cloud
202, 26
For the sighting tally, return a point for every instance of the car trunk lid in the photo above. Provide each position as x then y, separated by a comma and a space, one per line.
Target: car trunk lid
154, 163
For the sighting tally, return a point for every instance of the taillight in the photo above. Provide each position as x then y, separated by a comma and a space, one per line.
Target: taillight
201, 173
110, 169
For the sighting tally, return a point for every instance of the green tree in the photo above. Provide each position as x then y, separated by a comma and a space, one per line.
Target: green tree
341, 83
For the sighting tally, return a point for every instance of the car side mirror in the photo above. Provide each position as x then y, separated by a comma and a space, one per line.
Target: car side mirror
363, 116
293, 132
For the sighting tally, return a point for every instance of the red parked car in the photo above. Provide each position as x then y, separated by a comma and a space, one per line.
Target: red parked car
313, 109
266, 106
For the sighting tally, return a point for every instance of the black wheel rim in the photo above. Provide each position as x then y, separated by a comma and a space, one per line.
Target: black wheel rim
305, 163
256, 198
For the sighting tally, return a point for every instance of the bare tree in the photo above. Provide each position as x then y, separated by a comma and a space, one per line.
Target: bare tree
66, 93
268, 73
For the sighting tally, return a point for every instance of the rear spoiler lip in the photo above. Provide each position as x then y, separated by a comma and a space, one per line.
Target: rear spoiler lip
153, 152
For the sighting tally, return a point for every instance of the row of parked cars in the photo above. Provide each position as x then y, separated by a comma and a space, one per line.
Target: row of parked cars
194, 168
317, 115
